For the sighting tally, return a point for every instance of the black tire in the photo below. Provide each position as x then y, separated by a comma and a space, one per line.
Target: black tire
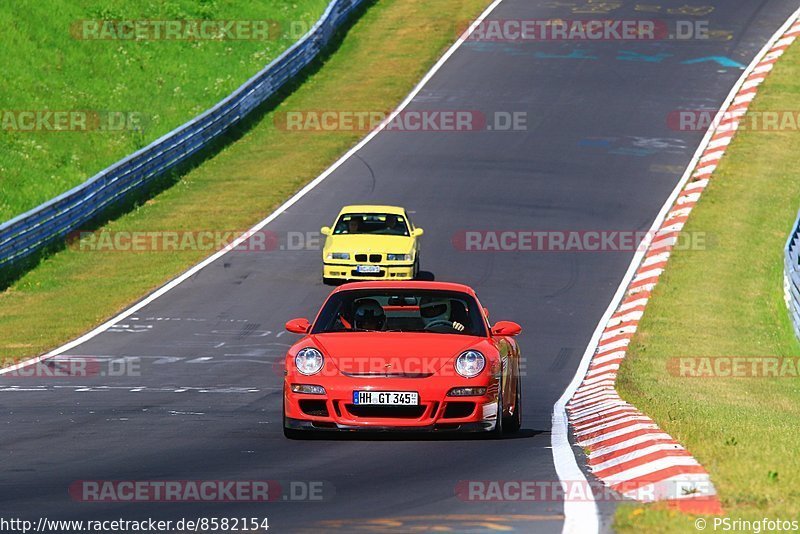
514, 423
415, 274
327, 281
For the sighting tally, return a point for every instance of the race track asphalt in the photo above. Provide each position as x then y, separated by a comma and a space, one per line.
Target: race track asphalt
205, 401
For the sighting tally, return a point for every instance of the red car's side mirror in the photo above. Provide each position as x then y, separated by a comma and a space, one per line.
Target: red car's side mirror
298, 326
506, 328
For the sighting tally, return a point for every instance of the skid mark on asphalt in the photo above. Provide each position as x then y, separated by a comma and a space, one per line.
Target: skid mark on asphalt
574, 273
137, 389
139, 325
434, 523
168, 360
133, 328
635, 146
562, 359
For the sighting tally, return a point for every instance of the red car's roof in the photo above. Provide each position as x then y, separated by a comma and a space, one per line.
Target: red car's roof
443, 286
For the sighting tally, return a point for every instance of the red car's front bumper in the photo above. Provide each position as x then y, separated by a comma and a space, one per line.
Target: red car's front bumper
436, 411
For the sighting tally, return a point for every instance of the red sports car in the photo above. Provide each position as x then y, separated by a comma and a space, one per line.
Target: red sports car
402, 356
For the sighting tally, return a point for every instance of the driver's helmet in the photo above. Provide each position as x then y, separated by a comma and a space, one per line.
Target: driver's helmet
369, 315
433, 309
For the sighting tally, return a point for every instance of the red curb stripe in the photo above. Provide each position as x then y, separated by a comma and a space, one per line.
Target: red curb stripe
703, 505
595, 460
622, 412
619, 439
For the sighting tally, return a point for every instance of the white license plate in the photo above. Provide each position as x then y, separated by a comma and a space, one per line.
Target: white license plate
386, 398
369, 269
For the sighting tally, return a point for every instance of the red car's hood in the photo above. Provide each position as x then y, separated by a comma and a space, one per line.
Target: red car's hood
393, 352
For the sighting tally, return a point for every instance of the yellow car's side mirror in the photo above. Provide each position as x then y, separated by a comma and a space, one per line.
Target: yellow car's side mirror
326, 230
417, 232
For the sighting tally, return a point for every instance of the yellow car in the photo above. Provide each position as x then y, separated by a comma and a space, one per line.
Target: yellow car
371, 243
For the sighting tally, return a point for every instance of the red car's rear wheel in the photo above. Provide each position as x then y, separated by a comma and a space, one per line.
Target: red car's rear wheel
514, 422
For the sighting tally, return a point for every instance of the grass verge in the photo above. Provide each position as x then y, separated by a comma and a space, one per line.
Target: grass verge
374, 68
140, 89
728, 301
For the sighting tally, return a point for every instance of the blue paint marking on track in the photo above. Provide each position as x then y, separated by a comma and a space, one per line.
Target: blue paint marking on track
722, 60
629, 55
621, 55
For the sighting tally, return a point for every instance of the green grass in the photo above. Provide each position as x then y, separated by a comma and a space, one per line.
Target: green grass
160, 83
728, 301
374, 68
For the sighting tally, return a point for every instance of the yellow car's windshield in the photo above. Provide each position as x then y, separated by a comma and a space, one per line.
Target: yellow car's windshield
371, 224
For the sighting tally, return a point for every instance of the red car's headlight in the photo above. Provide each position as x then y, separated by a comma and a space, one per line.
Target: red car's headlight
309, 361
469, 364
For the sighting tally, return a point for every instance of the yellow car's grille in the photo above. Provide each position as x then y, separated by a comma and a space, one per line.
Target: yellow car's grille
372, 258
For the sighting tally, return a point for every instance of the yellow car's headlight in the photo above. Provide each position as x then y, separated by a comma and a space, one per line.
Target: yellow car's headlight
338, 256
398, 257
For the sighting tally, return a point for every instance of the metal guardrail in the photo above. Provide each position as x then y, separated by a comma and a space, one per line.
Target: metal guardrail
791, 275
55, 219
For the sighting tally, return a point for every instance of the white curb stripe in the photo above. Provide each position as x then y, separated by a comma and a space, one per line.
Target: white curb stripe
638, 453
651, 467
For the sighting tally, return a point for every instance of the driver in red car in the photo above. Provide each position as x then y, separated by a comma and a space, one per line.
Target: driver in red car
369, 315
443, 312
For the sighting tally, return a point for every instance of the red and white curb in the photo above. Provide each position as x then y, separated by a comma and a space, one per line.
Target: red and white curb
625, 449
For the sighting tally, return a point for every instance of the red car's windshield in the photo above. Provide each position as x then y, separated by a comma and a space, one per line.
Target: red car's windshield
401, 310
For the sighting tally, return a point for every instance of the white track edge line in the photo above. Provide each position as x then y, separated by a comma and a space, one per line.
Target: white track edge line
565, 461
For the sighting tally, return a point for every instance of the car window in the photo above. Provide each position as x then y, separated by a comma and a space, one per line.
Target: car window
405, 310
372, 224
